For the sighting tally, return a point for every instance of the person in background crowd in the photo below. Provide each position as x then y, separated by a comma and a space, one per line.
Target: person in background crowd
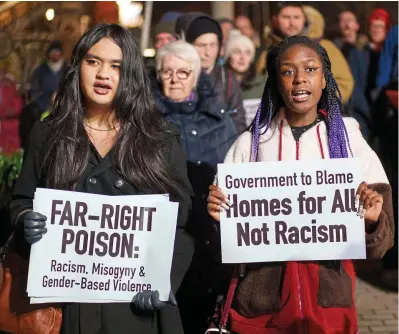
46, 77
240, 55
206, 35
105, 136
164, 33
30, 114
244, 24
289, 19
386, 118
10, 108
357, 105
388, 62
187, 98
311, 297
379, 23
226, 25
363, 63
349, 30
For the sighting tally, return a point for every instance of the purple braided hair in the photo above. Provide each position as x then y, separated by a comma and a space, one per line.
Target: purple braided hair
338, 139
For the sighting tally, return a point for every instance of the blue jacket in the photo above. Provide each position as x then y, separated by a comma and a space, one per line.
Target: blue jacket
359, 61
44, 84
207, 131
388, 65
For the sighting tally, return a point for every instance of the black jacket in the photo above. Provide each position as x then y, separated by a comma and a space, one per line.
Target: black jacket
207, 133
227, 86
230, 95
101, 177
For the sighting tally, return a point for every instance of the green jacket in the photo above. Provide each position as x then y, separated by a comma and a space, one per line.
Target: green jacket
252, 96
256, 90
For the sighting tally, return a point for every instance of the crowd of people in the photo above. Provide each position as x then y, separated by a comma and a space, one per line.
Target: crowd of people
163, 125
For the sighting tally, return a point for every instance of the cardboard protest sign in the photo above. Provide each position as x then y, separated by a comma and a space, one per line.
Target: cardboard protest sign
250, 107
102, 247
291, 211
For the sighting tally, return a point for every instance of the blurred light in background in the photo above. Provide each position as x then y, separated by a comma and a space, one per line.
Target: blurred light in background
130, 13
149, 53
50, 14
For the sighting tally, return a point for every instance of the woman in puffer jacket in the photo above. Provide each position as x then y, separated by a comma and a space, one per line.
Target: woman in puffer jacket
187, 98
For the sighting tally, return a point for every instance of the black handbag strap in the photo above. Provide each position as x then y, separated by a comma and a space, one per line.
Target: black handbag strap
6, 246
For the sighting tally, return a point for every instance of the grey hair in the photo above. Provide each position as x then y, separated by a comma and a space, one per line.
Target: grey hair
236, 40
183, 50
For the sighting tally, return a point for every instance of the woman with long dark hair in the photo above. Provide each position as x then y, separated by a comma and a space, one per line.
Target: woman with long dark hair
300, 119
106, 137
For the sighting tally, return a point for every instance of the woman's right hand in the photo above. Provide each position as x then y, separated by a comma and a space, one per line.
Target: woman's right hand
217, 202
34, 226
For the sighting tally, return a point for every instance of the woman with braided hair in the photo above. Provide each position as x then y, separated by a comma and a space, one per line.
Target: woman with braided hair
300, 118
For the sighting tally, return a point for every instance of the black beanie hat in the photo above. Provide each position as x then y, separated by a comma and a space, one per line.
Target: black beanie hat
203, 25
56, 45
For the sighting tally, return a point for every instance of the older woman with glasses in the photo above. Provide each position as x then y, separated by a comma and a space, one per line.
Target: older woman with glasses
187, 97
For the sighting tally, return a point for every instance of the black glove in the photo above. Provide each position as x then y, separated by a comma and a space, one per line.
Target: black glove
34, 226
149, 300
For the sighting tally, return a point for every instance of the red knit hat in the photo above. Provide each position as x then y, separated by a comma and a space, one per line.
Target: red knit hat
380, 14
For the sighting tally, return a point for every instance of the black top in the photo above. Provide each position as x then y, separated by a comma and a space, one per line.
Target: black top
297, 131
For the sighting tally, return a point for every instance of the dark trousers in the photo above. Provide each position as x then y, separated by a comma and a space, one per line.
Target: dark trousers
198, 294
388, 153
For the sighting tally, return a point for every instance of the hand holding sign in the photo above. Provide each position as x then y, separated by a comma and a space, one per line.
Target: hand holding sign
217, 201
34, 226
149, 300
370, 203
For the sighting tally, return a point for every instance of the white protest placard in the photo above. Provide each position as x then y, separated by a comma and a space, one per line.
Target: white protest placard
52, 300
102, 247
291, 211
250, 107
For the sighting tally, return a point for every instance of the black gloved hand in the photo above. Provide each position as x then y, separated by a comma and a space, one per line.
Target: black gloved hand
149, 300
34, 226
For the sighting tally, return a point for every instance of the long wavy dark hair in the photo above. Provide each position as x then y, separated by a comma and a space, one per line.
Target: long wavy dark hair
329, 106
138, 152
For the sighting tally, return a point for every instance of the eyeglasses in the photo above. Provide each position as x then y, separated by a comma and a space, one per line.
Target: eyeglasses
182, 74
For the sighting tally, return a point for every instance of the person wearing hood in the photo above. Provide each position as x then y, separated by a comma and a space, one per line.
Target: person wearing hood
206, 35
289, 19
46, 77
240, 58
186, 96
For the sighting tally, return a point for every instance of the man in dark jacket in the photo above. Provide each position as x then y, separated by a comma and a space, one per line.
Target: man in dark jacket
46, 77
206, 35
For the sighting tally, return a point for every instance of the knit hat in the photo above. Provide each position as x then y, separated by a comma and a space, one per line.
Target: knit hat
56, 45
380, 14
203, 25
236, 38
168, 27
